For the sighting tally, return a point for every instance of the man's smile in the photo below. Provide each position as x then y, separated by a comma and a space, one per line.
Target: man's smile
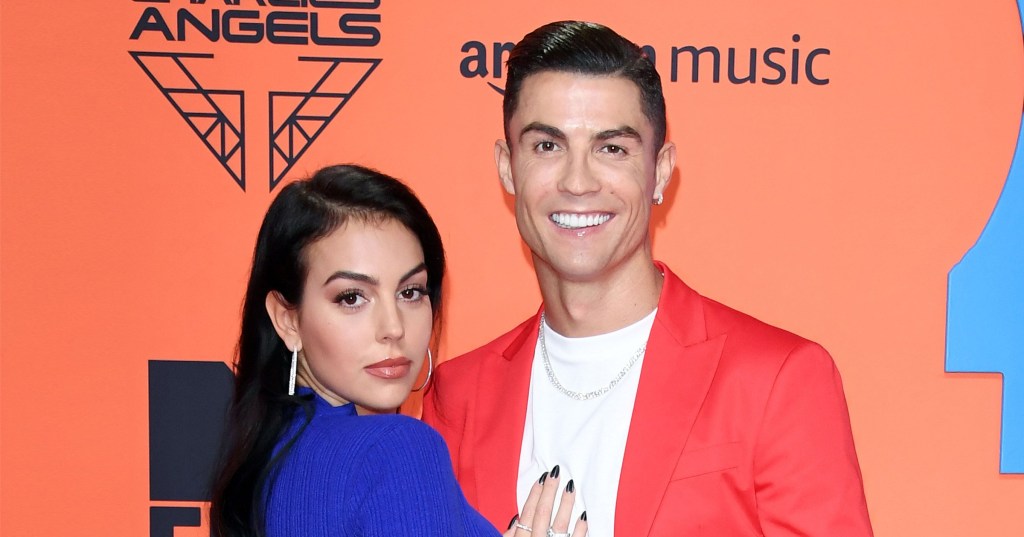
579, 220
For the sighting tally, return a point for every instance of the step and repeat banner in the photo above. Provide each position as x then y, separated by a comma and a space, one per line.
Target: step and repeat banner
846, 171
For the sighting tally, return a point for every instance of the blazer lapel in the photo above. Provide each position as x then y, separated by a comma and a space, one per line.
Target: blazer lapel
677, 371
504, 391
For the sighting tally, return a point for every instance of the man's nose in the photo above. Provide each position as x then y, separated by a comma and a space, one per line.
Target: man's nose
578, 176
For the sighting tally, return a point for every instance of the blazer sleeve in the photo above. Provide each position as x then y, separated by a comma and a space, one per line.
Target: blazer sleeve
806, 476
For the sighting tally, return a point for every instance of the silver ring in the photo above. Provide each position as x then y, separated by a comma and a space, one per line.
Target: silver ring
523, 527
553, 533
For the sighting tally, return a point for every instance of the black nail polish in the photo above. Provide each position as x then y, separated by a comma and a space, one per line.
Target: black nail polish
543, 477
555, 471
513, 521
570, 487
583, 517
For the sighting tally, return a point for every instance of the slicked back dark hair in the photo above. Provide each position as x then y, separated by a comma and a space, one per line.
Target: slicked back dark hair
590, 49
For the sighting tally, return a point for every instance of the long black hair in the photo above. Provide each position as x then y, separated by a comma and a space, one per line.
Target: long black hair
303, 212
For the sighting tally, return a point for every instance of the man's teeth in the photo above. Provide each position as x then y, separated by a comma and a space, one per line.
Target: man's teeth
577, 221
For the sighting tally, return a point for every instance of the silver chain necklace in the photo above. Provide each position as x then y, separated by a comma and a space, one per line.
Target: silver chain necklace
580, 396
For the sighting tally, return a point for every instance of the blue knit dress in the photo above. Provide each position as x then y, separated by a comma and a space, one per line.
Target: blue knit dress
350, 475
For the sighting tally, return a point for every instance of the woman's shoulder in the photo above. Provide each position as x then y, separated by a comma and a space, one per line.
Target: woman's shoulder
363, 451
392, 451
385, 432
397, 429
378, 469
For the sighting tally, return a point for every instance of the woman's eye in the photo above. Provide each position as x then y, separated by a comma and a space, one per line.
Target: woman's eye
412, 293
350, 300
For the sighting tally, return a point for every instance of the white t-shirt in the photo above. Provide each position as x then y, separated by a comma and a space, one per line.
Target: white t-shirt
587, 439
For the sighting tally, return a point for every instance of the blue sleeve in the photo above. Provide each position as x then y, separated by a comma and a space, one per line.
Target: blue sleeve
408, 487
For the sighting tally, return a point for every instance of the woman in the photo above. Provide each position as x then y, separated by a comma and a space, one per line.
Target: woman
344, 292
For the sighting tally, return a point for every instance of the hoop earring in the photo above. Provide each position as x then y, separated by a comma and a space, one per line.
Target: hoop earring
291, 372
430, 371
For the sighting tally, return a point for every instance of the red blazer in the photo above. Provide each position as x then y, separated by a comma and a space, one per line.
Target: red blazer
739, 428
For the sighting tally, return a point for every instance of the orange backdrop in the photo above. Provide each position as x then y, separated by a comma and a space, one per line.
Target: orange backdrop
834, 210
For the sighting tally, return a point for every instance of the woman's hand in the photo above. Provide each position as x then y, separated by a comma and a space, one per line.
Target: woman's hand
535, 519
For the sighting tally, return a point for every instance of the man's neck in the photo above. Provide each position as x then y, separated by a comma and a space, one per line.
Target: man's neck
614, 300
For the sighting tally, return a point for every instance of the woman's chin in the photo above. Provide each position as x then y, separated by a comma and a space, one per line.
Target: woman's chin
388, 405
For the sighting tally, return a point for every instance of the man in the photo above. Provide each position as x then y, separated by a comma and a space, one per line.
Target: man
671, 414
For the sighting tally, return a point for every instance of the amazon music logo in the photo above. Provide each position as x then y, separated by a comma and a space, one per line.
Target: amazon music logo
189, 49
771, 65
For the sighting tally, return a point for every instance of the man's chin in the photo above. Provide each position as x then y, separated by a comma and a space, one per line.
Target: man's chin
580, 269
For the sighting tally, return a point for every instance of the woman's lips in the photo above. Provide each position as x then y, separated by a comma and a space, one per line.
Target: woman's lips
390, 368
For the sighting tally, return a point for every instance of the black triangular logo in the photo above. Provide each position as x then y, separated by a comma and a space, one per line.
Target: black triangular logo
305, 115
215, 115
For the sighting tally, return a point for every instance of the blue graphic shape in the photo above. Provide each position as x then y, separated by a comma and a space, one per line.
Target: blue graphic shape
985, 310
292, 135
215, 115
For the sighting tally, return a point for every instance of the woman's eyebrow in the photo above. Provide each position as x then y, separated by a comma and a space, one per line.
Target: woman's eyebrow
348, 275
365, 278
415, 270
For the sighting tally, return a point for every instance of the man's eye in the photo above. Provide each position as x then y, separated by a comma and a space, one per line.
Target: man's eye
546, 146
614, 149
